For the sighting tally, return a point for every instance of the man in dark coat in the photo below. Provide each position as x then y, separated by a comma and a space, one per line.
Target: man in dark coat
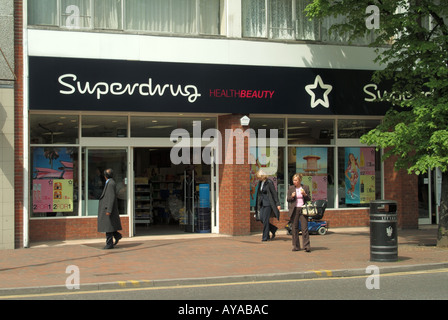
108, 215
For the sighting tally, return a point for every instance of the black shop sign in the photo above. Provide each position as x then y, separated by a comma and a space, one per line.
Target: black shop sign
139, 86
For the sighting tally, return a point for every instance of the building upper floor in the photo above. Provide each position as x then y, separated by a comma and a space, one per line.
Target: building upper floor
269, 20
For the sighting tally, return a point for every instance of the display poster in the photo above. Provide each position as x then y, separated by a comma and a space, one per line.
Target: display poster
262, 158
312, 163
359, 175
52, 180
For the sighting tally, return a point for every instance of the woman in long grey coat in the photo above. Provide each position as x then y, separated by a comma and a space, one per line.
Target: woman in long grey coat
108, 215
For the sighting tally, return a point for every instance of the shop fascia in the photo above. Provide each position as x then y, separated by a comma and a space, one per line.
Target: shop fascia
180, 152
374, 94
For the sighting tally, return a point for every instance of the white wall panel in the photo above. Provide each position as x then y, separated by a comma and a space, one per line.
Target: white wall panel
97, 45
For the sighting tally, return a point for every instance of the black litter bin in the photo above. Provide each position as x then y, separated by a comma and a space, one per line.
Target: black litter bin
383, 231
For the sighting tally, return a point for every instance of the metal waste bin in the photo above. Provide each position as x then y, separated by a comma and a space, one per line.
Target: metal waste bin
383, 231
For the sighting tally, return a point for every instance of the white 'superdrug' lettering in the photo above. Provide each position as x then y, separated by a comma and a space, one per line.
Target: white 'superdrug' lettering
71, 86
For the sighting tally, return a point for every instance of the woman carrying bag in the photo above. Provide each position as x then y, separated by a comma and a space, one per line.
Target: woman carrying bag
298, 194
266, 204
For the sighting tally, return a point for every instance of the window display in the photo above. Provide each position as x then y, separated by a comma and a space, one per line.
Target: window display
54, 182
359, 175
359, 172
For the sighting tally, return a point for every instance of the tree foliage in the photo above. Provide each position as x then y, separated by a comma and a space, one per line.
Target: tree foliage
412, 48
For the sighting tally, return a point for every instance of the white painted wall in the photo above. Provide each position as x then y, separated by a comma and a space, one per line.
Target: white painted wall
98, 45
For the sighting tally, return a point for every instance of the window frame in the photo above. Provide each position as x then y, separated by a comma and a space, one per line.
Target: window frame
319, 36
336, 144
60, 16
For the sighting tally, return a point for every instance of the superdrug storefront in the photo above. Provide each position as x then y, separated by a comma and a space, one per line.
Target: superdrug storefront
89, 114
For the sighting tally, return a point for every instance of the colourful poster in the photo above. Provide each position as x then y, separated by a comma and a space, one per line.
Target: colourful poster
42, 195
359, 175
367, 168
52, 180
63, 195
312, 163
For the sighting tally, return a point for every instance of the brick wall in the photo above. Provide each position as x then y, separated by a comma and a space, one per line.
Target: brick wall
234, 189
69, 229
403, 188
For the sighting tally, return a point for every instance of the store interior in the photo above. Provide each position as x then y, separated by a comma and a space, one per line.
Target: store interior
169, 198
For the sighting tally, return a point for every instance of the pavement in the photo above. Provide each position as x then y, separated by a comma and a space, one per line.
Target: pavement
191, 259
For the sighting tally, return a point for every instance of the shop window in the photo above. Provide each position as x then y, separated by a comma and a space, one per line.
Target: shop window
105, 126
54, 181
53, 129
316, 166
358, 177
267, 124
310, 131
272, 161
163, 127
359, 171
354, 128
94, 162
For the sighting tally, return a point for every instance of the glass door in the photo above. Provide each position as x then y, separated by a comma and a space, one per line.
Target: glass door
429, 186
200, 194
95, 161
424, 203
214, 191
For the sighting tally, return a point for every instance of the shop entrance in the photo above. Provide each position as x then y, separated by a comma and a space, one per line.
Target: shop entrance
429, 193
169, 198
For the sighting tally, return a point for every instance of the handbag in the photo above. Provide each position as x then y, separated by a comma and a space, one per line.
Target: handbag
257, 216
309, 209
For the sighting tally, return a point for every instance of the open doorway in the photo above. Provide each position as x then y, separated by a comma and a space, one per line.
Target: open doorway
169, 198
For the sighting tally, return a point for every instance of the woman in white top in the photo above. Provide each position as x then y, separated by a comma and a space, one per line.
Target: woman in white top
297, 195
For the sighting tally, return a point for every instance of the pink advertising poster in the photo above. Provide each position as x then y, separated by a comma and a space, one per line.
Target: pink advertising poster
313, 164
42, 195
52, 180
